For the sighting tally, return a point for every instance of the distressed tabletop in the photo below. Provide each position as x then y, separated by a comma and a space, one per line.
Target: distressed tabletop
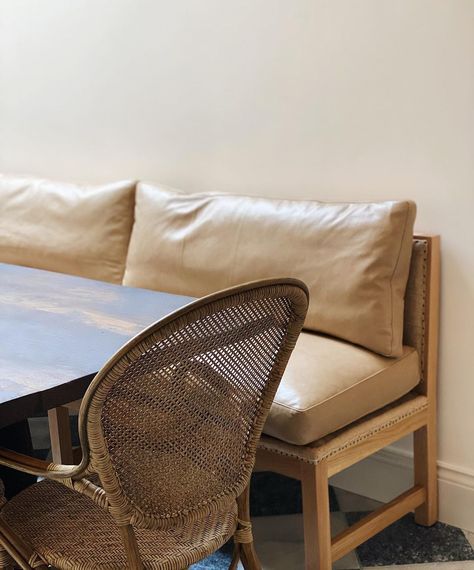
56, 331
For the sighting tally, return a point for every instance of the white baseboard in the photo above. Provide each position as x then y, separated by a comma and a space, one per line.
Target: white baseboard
390, 472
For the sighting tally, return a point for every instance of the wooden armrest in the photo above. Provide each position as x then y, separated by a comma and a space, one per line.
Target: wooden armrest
38, 467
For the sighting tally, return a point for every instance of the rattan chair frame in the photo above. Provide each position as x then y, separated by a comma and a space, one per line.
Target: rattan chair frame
108, 493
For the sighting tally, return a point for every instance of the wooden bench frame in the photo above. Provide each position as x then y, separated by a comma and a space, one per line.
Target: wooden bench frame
320, 550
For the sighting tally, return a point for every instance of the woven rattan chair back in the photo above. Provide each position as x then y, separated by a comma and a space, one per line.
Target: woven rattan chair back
173, 420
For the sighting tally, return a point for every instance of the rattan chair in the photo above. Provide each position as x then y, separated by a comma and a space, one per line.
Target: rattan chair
169, 429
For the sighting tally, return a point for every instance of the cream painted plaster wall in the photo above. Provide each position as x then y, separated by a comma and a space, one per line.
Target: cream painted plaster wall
328, 99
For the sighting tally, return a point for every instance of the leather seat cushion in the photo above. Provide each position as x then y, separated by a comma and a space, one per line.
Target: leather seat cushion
330, 383
68, 228
354, 257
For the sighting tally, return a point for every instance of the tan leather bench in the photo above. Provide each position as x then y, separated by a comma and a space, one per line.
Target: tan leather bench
313, 462
362, 375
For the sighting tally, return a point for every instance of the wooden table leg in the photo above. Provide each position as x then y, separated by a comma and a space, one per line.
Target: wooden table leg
60, 434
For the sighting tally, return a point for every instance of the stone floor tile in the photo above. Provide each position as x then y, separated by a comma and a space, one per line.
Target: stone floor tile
405, 542
350, 502
280, 545
431, 566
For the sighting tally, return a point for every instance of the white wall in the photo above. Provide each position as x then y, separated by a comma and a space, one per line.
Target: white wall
329, 99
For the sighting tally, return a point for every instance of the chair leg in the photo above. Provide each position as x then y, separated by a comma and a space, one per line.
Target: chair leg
425, 450
249, 557
131, 548
244, 546
316, 517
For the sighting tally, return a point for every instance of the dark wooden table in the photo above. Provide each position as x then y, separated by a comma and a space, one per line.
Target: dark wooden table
56, 331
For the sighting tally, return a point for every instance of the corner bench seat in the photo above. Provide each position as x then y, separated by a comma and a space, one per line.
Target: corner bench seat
350, 444
329, 384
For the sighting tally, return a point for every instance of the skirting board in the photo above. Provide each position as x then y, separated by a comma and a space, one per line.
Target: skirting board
390, 472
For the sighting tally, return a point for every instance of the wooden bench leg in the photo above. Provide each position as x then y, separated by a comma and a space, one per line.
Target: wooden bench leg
60, 433
316, 517
425, 449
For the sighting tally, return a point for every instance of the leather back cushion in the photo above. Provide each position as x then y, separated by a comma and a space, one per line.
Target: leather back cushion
354, 257
80, 230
